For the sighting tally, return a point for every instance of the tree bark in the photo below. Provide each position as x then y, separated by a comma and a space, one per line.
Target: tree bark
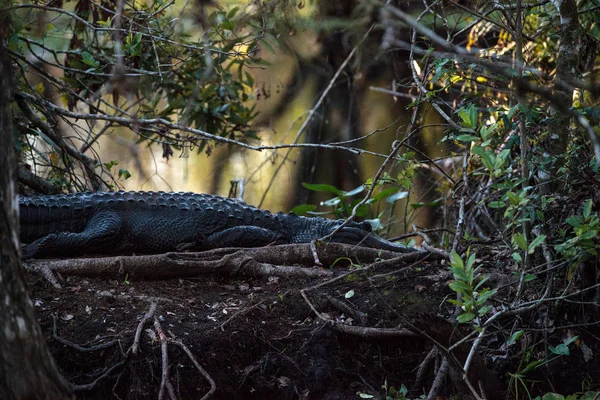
559, 129
27, 370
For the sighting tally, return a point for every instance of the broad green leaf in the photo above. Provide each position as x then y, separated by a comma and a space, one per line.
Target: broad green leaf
484, 310
518, 239
553, 396
396, 196
517, 257
470, 262
588, 235
303, 209
561, 349
466, 317
483, 297
456, 260
459, 273
467, 138
487, 157
322, 187
496, 204
535, 243
575, 221
587, 208
89, 59
514, 337
355, 191
460, 287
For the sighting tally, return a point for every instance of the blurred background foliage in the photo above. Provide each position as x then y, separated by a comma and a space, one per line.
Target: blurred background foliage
124, 94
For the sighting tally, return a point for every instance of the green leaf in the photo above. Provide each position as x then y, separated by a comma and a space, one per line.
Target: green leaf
553, 396
496, 204
467, 138
588, 235
123, 173
487, 157
470, 262
561, 349
535, 243
575, 221
355, 191
589, 396
514, 337
89, 59
303, 209
349, 294
587, 208
518, 239
484, 296
396, 196
456, 261
484, 310
321, 187
460, 287
466, 317
459, 273
517, 257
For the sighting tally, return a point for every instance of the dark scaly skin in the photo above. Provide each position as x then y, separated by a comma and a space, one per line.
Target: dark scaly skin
156, 222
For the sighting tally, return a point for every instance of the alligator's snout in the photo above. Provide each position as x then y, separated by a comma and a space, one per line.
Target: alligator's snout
361, 234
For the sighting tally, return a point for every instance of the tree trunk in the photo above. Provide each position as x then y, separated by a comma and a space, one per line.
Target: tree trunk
559, 129
27, 370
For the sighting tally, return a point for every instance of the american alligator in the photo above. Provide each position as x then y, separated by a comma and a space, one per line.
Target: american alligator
155, 222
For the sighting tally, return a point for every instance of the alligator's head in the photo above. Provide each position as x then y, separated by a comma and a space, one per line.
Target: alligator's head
361, 234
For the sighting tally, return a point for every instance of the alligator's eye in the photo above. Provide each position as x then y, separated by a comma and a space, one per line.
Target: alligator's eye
366, 226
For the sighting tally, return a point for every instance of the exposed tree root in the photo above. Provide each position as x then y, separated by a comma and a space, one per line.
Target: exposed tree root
78, 347
166, 386
138, 332
257, 262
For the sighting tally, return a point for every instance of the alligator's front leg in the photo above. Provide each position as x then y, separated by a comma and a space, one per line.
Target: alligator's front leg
238, 236
100, 236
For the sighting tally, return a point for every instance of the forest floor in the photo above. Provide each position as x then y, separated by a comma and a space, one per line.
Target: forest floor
257, 337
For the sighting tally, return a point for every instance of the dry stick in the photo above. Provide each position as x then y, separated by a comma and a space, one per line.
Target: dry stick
313, 112
345, 308
439, 380
138, 332
164, 382
472, 352
213, 385
427, 246
92, 385
461, 209
237, 314
77, 346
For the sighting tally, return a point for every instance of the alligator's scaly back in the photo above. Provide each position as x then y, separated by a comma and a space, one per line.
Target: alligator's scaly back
43, 215
149, 222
